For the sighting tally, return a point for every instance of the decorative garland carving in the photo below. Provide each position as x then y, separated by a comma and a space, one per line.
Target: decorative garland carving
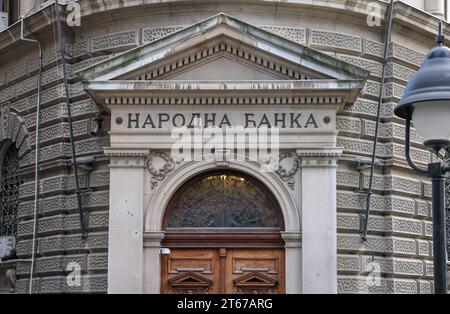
287, 175
158, 175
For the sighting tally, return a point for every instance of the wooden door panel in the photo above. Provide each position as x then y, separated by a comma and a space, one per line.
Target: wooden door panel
255, 271
231, 271
190, 271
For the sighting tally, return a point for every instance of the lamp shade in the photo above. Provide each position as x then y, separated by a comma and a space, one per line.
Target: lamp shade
427, 96
432, 120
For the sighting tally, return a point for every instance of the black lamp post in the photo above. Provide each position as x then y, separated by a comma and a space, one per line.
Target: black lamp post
426, 101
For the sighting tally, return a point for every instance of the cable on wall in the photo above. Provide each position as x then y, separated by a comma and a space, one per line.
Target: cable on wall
387, 40
63, 54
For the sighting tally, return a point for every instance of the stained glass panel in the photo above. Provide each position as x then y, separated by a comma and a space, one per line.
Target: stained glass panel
223, 201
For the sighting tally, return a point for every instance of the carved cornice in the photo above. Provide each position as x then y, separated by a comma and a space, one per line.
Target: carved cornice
127, 158
92, 11
319, 157
152, 239
163, 70
292, 239
125, 153
225, 99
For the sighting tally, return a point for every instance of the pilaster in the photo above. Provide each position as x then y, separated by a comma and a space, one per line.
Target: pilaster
318, 206
126, 212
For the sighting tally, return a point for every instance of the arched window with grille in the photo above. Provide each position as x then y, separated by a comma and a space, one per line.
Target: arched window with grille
10, 181
223, 200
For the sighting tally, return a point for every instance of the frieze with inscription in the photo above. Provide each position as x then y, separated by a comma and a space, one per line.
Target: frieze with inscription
258, 119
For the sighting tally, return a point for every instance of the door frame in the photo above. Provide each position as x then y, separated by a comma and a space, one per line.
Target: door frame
223, 263
223, 238
289, 201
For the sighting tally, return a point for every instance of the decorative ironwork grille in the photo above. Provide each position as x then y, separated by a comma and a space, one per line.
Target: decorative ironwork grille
10, 182
223, 201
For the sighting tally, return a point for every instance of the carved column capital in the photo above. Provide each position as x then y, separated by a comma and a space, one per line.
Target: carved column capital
318, 157
127, 158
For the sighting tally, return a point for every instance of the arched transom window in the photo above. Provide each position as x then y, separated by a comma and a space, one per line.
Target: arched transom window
10, 181
223, 200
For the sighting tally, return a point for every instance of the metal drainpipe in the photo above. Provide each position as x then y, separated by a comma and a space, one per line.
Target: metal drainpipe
36, 161
380, 101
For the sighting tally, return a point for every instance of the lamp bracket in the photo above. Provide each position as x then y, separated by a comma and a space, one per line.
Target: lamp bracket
437, 169
437, 145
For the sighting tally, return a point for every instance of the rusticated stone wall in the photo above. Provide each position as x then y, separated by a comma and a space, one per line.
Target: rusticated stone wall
399, 237
59, 241
400, 229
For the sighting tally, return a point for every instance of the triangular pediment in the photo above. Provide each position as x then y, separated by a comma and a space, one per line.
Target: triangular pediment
223, 68
223, 48
190, 279
255, 279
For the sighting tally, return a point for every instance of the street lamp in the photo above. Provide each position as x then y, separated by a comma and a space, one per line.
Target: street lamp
426, 102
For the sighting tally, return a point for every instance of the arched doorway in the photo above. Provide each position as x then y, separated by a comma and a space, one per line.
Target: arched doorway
223, 231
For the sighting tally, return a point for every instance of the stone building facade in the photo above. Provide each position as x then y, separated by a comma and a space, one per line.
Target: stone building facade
130, 59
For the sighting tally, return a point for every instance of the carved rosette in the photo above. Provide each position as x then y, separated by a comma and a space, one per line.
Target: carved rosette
160, 171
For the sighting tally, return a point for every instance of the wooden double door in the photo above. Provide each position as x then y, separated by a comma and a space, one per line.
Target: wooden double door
223, 270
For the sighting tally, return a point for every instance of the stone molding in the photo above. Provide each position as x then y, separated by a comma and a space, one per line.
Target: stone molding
127, 158
292, 239
224, 100
246, 53
319, 157
152, 239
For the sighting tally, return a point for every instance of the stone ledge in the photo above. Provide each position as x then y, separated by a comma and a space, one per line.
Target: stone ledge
97, 262
374, 67
65, 244
349, 126
63, 203
387, 265
405, 55
58, 112
366, 108
83, 147
63, 223
382, 224
360, 284
337, 42
115, 41
66, 183
387, 204
351, 243
54, 264
89, 284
